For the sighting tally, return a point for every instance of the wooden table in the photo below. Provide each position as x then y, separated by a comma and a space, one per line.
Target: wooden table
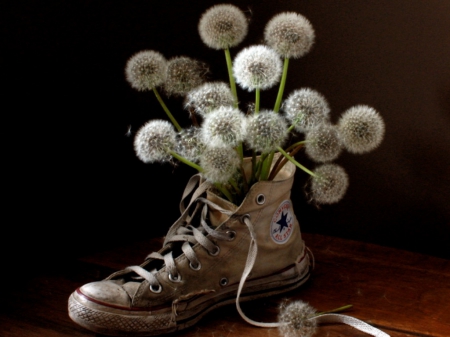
401, 293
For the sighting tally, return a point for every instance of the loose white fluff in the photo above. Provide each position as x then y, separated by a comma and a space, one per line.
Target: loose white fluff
154, 140
306, 108
224, 127
146, 70
266, 131
361, 129
290, 34
329, 185
223, 26
257, 67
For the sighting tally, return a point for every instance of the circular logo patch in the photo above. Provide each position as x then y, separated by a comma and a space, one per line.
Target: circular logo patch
282, 224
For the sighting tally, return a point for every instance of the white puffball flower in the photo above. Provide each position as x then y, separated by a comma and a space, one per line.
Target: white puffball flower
209, 96
295, 319
361, 129
219, 164
223, 26
223, 127
146, 70
266, 131
154, 140
329, 185
290, 34
257, 67
183, 75
323, 143
189, 144
306, 108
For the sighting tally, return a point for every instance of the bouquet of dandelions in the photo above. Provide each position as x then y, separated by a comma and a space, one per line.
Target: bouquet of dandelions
221, 134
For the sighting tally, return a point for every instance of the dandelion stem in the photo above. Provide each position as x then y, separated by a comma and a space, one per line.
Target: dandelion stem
282, 84
281, 161
348, 306
224, 191
230, 75
185, 161
266, 166
296, 163
257, 99
166, 109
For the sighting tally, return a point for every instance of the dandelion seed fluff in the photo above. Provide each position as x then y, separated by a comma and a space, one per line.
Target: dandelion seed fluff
153, 141
306, 108
323, 143
257, 67
290, 34
223, 127
266, 131
330, 184
223, 26
146, 70
219, 164
189, 144
183, 75
209, 96
361, 129
295, 319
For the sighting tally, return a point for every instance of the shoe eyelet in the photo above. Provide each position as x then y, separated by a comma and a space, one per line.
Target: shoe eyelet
195, 267
215, 252
156, 289
260, 199
176, 278
223, 281
231, 235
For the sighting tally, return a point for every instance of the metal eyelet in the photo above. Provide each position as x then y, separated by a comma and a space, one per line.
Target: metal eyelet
231, 235
223, 281
197, 267
260, 199
215, 252
156, 289
176, 278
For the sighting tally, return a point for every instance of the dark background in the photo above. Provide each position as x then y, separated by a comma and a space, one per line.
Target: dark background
74, 185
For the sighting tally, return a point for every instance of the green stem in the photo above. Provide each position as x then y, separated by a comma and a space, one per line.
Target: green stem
282, 84
334, 310
166, 109
185, 161
224, 191
230, 75
266, 166
257, 99
296, 163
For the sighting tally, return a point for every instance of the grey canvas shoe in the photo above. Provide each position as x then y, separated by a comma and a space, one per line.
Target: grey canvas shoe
215, 254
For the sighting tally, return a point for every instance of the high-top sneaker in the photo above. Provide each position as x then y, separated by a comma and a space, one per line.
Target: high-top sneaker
215, 254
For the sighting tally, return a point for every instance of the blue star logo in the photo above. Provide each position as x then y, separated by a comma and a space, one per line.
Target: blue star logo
283, 222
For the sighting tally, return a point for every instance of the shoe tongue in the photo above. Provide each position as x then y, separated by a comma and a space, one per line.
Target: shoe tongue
216, 217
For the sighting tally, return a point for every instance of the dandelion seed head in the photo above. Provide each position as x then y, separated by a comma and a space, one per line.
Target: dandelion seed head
223, 26
223, 127
323, 143
209, 96
306, 108
219, 164
154, 140
189, 144
361, 129
146, 70
295, 318
257, 67
183, 75
290, 34
330, 184
266, 131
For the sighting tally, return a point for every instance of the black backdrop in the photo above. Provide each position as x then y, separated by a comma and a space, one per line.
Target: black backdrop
74, 184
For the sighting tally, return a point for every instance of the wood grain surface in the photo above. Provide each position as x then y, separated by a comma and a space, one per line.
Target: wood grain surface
401, 293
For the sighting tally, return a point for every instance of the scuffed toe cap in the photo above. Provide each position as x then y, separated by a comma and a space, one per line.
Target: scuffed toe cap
108, 292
